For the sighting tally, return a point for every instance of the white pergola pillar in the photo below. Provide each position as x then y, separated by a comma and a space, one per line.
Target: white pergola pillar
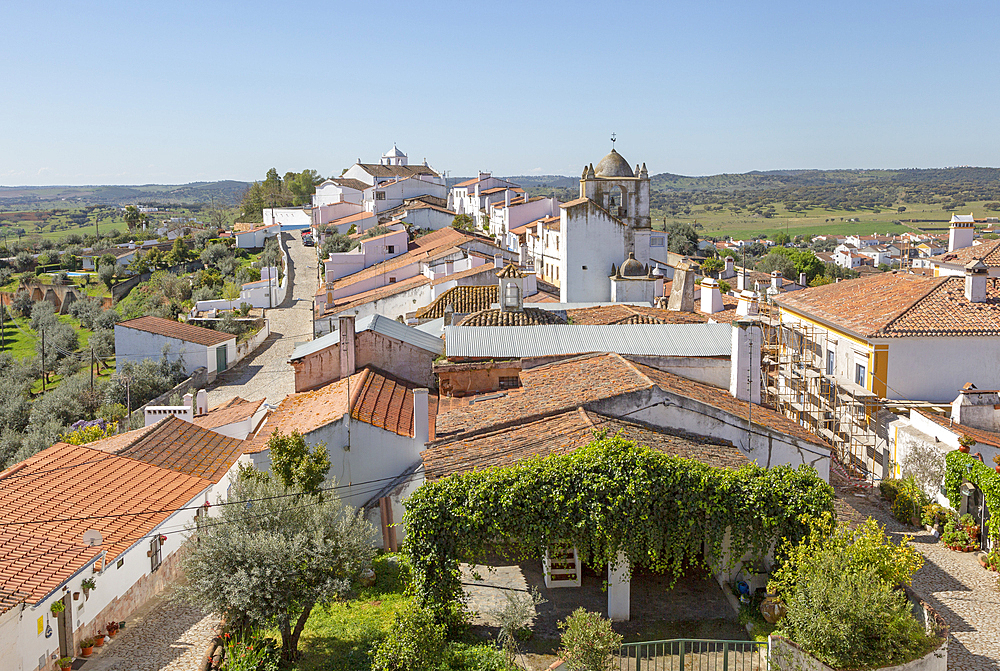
619, 589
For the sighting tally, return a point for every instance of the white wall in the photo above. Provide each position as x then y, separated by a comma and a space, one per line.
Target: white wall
428, 218
397, 305
288, 216
370, 252
935, 369
135, 345
594, 241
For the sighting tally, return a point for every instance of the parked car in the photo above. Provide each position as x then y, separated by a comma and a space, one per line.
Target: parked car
308, 241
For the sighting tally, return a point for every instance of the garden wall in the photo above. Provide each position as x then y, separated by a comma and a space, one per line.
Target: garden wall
245, 348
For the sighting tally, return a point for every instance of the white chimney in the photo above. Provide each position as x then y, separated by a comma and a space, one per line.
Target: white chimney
730, 267
960, 232
421, 419
744, 376
498, 260
346, 345
711, 297
747, 305
506, 197
802, 280
189, 402
976, 273
776, 280
202, 407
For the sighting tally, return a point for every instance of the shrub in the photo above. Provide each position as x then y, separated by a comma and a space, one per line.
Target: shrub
910, 501
21, 303
845, 615
888, 489
514, 617
961, 534
415, 642
250, 652
588, 641
935, 513
465, 657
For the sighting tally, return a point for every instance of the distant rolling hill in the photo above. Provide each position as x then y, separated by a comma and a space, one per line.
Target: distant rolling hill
228, 192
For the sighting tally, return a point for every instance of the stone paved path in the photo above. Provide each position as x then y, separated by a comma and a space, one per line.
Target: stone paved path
266, 373
164, 636
953, 583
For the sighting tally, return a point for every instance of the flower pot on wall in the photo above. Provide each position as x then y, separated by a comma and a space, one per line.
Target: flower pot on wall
964, 449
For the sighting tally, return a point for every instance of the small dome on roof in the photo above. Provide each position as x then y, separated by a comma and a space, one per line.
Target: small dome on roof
394, 152
632, 268
613, 165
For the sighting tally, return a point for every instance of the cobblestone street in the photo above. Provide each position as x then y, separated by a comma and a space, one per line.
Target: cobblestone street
953, 583
162, 636
266, 373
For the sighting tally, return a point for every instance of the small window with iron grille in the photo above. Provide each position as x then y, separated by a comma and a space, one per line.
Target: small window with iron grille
509, 382
380, 195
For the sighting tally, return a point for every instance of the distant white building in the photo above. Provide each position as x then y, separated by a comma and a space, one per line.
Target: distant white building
474, 196
150, 337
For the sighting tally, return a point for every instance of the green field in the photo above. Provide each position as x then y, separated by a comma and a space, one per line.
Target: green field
722, 223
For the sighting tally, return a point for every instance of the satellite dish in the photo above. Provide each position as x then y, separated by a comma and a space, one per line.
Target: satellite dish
92, 537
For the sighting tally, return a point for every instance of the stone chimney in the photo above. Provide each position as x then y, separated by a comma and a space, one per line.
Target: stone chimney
776, 280
202, 407
802, 280
449, 314
711, 297
976, 274
421, 419
498, 261
976, 408
730, 268
744, 370
347, 354
682, 289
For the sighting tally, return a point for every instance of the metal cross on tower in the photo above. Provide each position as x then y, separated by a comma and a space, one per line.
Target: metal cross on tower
613, 138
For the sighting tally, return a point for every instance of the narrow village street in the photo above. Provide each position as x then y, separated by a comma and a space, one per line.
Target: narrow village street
962, 592
266, 373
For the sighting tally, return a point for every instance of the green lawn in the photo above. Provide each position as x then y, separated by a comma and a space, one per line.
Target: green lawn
722, 223
339, 637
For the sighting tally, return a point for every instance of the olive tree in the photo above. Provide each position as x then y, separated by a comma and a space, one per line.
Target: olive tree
268, 562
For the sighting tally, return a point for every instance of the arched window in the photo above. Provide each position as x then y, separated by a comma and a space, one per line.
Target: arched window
616, 201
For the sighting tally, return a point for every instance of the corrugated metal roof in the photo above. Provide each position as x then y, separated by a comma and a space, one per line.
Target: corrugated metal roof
379, 324
635, 339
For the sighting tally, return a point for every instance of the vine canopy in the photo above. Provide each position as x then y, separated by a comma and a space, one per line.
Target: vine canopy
961, 467
609, 496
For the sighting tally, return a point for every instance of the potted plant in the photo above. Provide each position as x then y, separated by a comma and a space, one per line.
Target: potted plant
965, 443
86, 647
99, 639
87, 585
65, 663
996, 460
57, 607
112, 628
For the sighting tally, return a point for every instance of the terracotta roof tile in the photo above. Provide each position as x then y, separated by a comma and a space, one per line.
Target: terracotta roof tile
981, 435
234, 410
524, 317
563, 433
463, 299
178, 445
380, 293
378, 399
177, 330
70, 481
630, 314
379, 170
988, 253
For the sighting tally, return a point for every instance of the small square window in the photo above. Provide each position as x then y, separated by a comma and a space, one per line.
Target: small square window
390, 249
860, 374
392, 280
584, 267
510, 382
380, 195
121, 562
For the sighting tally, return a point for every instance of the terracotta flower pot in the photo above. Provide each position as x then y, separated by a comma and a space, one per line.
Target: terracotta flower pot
964, 449
99, 640
86, 652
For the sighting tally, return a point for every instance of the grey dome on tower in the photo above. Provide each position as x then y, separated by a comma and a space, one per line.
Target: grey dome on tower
632, 267
613, 165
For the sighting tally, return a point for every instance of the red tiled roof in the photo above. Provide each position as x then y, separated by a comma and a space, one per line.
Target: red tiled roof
988, 252
463, 300
374, 397
234, 410
584, 380
900, 305
73, 481
169, 328
981, 435
631, 314
178, 445
365, 297
525, 317
563, 433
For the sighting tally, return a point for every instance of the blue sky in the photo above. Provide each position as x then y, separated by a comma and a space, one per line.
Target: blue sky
173, 92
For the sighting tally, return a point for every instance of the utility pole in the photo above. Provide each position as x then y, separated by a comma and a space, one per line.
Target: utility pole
43, 361
91, 371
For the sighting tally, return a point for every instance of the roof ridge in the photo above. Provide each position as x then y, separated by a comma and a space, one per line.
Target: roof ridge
634, 366
353, 398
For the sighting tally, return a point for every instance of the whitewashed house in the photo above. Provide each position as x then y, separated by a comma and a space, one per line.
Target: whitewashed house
254, 238
153, 337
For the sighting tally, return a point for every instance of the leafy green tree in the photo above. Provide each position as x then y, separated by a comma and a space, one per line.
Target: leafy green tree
131, 217
588, 641
295, 465
781, 238
106, 274
269, 562
776, 261
336, 243
682, 239
303, 185
463, 222
712, 266
231, 292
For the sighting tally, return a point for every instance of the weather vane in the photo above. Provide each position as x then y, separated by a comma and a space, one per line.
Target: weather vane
613, 138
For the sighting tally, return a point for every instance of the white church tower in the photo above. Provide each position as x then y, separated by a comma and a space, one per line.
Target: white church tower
394, 157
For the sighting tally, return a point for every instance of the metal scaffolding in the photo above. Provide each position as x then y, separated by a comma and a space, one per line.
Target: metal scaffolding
795, 382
